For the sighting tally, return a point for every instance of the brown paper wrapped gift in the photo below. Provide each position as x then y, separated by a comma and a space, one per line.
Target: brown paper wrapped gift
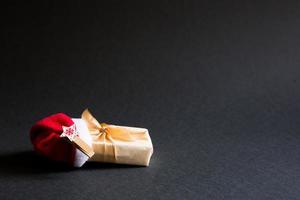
118, 144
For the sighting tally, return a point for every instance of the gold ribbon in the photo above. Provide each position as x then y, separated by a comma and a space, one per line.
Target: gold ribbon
108, 135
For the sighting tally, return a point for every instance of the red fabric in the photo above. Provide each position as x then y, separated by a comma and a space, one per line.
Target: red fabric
45, 137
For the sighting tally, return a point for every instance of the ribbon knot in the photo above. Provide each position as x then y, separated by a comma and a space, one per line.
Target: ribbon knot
107, 135
104, 131
106, 138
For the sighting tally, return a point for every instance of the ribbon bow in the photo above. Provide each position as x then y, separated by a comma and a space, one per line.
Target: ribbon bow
108, 135
104, 131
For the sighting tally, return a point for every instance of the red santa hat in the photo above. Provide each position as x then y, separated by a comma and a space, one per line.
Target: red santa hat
45, 137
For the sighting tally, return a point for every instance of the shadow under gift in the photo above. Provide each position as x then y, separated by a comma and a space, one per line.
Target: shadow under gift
30, 163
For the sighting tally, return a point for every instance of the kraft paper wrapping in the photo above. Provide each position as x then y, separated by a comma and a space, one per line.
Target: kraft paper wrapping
118, 144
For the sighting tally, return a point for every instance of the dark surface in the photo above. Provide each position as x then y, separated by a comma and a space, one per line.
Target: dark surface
217, 85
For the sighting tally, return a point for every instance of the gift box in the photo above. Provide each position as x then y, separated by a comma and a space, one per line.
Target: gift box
118, 144
78, 140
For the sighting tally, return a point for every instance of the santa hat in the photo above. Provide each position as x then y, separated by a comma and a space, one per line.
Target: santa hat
46, 138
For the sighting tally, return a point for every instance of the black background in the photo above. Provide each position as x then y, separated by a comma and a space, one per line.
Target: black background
216, 83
